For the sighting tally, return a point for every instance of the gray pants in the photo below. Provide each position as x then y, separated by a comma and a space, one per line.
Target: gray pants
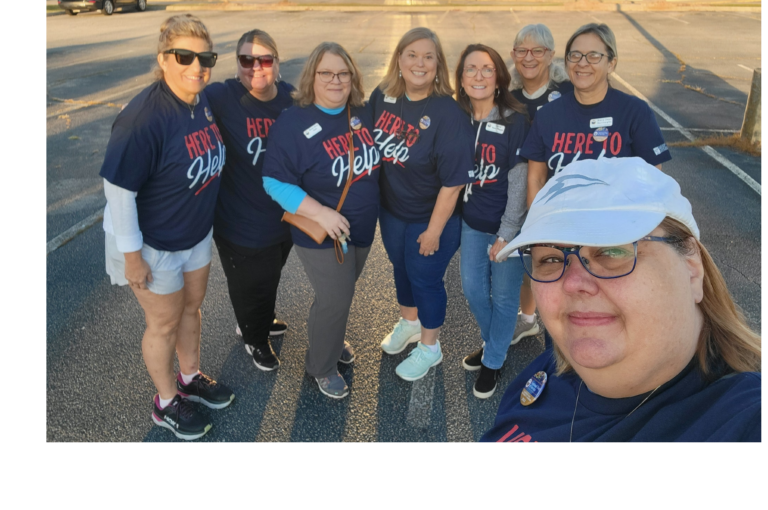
334, 286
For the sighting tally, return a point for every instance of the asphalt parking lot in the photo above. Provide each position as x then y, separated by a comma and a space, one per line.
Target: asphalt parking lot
97, 388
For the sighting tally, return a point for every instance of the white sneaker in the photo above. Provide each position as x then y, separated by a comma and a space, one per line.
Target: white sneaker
401, 336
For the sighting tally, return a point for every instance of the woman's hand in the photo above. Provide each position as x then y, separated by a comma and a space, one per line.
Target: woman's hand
137, 271
496, 248
429, 241
333, 222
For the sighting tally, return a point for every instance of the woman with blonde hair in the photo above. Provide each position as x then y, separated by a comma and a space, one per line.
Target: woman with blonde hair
319, 149
253, 243
649, 345
427, 149
161, 179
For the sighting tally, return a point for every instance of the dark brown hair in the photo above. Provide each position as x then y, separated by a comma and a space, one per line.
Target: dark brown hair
505, 101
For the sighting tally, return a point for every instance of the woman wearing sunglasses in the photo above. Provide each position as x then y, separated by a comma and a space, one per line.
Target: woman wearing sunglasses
161, 179
649, 345
253, 243
319, 148
494, 207
426, 145
536, 80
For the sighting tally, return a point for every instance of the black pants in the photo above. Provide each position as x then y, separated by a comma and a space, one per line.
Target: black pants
253, 275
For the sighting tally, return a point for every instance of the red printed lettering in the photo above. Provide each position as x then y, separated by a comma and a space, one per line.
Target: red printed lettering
580, 139
251, 128
365, 136
196, 138
615, 147
329, 148
267, 124
587, 146
568, 141
191, 147
216, 132
382, 120
558, 145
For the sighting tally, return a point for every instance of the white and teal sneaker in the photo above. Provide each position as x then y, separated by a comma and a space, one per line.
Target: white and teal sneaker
418, 362
401, 336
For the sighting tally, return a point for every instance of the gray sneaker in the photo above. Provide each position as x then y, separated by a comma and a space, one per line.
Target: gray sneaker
524, 329
347, 354
333, 386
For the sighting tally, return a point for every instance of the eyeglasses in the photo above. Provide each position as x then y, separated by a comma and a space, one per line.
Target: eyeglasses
537, 52
546, 263
593, 57
327, 76
186, 57
411, 136
249, 61
487, 72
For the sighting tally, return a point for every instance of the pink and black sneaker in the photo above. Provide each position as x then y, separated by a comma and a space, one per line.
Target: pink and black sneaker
181, 418
205, 390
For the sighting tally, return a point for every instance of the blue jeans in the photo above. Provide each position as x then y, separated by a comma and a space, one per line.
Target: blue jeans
493, 292
419, 279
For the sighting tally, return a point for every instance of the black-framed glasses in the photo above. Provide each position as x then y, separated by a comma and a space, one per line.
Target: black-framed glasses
186, 57
593, 57
487, 72
537, 52
327, 76
249, 61
546, 263
411, 136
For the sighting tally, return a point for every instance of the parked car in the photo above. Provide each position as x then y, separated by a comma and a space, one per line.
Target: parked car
107, 7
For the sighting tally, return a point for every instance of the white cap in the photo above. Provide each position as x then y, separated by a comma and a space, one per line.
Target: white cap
603, 202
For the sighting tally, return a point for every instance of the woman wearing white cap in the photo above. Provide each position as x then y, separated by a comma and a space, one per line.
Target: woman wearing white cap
649, 345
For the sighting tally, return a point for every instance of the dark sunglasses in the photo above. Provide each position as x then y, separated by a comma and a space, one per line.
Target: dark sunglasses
248, 61
186, 57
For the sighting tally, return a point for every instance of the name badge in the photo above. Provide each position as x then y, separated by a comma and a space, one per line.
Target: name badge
494, 128
604, 122
390, 99
312, 131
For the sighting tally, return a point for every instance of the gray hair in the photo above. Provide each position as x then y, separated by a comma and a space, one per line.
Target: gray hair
600, 30
538, 34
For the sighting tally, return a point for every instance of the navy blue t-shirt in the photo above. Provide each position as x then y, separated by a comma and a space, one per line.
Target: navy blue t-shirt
497, 151
171, 157
554, 91
415, 170
245, 214
687, 408
309, 148
619, 126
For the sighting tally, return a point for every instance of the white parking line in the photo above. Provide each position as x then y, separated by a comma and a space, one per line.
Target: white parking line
514, 15
89, 60
61, 203
677, 19
747, 68
686, 133
598, 20
703, 130
73, 231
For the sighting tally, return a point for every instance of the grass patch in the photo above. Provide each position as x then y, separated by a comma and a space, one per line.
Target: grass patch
733, 141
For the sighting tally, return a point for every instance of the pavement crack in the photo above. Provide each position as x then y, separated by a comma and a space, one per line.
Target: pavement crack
695, 88
83, 103
750, 280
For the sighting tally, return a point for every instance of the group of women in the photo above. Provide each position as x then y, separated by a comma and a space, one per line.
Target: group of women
438, 169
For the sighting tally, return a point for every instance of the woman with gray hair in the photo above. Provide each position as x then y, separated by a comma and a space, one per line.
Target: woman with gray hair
649, 345
536, 80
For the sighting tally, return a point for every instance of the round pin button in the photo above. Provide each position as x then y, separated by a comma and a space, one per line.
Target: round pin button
533, 388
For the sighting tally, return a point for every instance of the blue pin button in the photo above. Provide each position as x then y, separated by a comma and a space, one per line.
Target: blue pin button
533, 388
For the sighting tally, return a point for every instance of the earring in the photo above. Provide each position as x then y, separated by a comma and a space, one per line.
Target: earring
498, 92
279, 77
462, 92
437, 80
399, 74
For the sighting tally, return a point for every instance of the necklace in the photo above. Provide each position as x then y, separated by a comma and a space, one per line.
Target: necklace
570, 439
192, 106
410, 136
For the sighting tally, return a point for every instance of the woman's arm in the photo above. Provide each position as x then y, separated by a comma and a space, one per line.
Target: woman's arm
537, 178
446, 203
514, 215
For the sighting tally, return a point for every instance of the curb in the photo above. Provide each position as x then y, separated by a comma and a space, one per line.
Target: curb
575, 6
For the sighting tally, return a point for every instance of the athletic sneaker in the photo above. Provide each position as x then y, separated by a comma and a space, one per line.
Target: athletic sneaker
485, 385
263, 356
418, 362
277, 328
333, 386
181, 418
401, 336
473, 362
524, 329
347, 354
205, 390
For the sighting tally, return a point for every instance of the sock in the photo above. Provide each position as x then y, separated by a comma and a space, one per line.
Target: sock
413, 323
528, 318
432, 348
186, 379
163, 403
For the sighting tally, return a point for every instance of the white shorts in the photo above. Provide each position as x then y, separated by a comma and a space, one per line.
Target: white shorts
168, 267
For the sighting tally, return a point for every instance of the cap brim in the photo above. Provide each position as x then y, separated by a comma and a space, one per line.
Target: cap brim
586, 228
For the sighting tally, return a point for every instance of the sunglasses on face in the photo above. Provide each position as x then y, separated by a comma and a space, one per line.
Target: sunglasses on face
249, 61
186, 57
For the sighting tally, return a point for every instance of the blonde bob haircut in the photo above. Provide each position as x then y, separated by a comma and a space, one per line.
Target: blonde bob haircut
181, 25
393, 84
726, 344
304, 95
259, 37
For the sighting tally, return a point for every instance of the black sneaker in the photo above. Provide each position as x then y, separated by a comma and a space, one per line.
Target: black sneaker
205, 390
485, 385
347, 354
472, 362
277, 328
263, 356
181, 418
